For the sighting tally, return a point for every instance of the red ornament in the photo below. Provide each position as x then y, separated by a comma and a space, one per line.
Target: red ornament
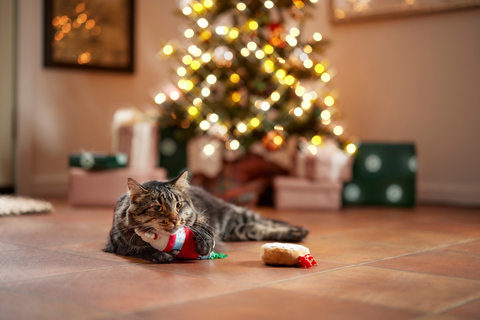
307, 261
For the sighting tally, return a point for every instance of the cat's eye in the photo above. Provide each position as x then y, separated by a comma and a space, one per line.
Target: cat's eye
157, 208
179, 205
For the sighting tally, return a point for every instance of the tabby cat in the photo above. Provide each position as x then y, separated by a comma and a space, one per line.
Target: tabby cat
166, 206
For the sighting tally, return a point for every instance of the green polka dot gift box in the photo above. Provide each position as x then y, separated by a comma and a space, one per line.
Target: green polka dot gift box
383, 174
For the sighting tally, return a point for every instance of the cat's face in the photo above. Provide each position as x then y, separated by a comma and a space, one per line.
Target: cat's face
159, 206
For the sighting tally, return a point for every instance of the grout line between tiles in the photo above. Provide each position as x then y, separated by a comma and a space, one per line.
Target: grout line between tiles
450, 307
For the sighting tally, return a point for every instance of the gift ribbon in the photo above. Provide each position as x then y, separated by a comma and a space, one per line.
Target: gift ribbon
307, 261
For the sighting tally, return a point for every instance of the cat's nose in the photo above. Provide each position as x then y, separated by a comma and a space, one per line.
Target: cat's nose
174, 220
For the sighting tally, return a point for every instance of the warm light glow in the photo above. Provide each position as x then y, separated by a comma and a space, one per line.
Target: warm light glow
326, 122
228, 55
253, 25
313, 149
241, 127
251, 46
84, 58
81, 18
300, 91
329, 101
255, 122
306, 105
204, 125
325, 115
269, 65
192, 111
291, 40
278, 127
317, 36
222, 30
294, 32
351, 148
339, 13
208, 3
233, 33
189, 33
208, 149
187, 59
317, 140
278, 140
265, 106
307, 49
308, 63
168, 49
259, 54
187, 10
181, 71
202, 23
325, 77
313, 1
223, 129
338, 130
90, 24
160, 98
275, 96
197, 7
289, 80
234, 144
197, 102
298, 111
319, 68
268, 49
188, 85
80, 7
211, 79
174, 95
59, 35
236, 96
195, 65
268, 4
205, 92
307, 97
192, 49
280, 74
205, 35
213, 117
241, 6
234, 78
67, 27
206, 57
245, 52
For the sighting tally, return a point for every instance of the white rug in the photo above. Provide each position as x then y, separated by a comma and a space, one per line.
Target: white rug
13, 205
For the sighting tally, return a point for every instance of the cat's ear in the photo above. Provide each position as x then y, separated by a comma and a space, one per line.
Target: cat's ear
135, 189
180, 182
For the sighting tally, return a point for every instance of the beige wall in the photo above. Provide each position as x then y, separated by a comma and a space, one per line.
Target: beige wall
412, 79
6, 91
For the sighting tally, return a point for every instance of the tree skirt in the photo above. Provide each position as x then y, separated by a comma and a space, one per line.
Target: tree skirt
13, 205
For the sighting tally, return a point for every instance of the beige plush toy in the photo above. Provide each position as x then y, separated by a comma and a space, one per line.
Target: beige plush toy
286, 254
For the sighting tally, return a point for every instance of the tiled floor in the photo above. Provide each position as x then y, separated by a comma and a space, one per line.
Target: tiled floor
374, 263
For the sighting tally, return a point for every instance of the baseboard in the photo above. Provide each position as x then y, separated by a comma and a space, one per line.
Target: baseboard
55, 185
467, 195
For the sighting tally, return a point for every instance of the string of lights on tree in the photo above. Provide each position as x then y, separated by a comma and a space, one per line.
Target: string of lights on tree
247, 74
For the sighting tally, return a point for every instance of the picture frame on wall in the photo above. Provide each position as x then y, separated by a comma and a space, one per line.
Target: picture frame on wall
89, 34
344, 11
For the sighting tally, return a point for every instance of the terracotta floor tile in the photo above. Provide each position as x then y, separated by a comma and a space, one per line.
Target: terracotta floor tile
385, 287
33, 263
243, 266
444, 226
471, 248
470, 310
267, 303
440, 262
126, 288
8, 247
94, 250
39, 234
404, 236
442, 317
15, 305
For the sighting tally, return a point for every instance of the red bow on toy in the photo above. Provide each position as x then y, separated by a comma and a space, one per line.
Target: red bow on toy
307, 261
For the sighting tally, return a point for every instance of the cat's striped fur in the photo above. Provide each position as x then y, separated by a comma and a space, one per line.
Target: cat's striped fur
165, 206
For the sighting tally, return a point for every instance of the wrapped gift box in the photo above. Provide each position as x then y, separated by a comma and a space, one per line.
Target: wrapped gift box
329, 163
140, 142
383, 174
98, 161
306, 194
103, 188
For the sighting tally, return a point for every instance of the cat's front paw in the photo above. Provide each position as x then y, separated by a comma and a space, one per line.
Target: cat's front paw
204, 244
161, 257
296, 234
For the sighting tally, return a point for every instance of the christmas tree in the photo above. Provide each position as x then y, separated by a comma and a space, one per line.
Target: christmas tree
247, 74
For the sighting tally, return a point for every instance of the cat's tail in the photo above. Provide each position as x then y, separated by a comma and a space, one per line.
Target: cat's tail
242, 224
